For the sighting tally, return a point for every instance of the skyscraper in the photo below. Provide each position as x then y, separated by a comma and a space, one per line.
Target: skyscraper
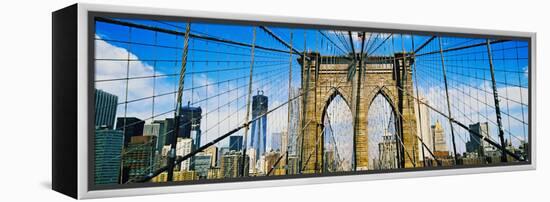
476, 144
259, 126
294, 127
168, 130
293, 164
105, 109
183, 147
387, 151
236, 143
440, 141
221, 152
423, 127
251, 152
108, 151
190, 120
138, 158
161, 139
231, 164
190, 123
213, 151
201, 164
154, 129
130, 126
151, 129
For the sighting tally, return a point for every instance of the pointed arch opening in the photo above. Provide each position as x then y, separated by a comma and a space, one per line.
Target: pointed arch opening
337, 133
382, 128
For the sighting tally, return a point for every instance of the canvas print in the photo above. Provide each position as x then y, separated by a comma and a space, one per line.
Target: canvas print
204, 101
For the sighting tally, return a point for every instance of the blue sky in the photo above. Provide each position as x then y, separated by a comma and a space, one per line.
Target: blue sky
159, 54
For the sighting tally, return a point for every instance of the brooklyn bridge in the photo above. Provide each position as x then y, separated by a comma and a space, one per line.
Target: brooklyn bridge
179, 101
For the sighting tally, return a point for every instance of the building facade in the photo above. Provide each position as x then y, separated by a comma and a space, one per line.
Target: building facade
201, 164
222, 151
161, 139
184, 146
130, 126
155, 129
105, 109
387, 158
107, 155
476, 144
190, 123
138, 158
236, 143
189, 126
252, 167
231, 164
440, 141
423, 129
293, 166
259, 126
212, 151
294, 127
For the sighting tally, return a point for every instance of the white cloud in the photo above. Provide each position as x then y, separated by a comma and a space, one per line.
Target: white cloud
143, 88
137, 88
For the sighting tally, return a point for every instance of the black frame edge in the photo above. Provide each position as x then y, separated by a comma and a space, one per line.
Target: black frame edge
64, 100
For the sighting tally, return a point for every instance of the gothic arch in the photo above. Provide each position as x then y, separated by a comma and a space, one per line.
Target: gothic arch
334, 92
379, 79
337, 136
386, 95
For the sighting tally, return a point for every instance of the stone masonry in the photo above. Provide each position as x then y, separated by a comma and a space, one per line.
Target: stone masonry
327, 77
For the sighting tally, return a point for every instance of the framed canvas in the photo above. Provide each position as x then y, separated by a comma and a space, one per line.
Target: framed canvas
149, 101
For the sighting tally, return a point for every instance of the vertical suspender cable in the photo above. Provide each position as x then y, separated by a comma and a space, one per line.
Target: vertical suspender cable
289, 104
448, 99
172, 155
248, 100
497, 105
304, 102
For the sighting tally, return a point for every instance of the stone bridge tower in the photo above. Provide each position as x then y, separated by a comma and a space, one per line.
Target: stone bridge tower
327, 77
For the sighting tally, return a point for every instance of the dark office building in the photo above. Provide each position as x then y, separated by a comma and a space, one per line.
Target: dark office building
167, 130
130, 126
190, 126
221, 152
138, 158
259, 126
201, 164
231, 164
476, 144
108, 150
162, 136
236, 143
105, 109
